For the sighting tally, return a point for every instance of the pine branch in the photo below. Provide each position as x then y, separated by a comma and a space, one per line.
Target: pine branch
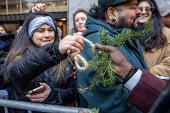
101, 64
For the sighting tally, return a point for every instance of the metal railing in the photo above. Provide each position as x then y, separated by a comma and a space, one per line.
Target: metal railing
30, 106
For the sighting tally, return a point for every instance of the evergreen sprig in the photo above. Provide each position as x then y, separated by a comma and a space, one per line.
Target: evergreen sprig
103, 65
94, 110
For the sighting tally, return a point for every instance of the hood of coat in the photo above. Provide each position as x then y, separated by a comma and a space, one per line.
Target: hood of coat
6, 39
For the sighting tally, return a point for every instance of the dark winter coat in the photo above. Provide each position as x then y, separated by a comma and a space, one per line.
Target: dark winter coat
26, 74
5, 42
109, 99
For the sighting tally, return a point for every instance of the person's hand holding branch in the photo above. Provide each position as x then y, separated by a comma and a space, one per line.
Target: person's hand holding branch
122, 66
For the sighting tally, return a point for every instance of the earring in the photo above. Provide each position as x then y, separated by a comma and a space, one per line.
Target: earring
113, 21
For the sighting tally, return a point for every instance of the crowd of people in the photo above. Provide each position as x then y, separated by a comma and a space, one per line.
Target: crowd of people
37, 56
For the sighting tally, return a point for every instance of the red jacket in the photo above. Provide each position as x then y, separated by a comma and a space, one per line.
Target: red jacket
146, 91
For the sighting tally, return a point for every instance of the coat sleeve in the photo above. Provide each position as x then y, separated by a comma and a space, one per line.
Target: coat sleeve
33, 64
146, 91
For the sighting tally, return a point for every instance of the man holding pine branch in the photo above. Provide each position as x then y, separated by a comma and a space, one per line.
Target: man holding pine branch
114, 16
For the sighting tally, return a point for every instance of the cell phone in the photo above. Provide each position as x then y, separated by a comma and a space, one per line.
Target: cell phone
37, 90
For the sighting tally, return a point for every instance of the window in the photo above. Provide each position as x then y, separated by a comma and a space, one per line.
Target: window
15, 6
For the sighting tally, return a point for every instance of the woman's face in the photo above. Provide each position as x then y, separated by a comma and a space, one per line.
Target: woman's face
2, 30
145, 12
80, 20
166, 20
43, 35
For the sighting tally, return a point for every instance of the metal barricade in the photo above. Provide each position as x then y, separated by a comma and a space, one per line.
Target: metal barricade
30, 106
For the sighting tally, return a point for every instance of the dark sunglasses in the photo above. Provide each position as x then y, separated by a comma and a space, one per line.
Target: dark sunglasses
147, 9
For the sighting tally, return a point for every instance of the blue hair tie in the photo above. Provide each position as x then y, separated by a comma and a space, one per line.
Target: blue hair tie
39, 21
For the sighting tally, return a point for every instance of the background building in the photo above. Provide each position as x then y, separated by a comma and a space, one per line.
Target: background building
74, 5
14, 12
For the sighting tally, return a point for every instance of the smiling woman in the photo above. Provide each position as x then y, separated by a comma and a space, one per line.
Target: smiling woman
38, 59
156, 43
146, 12
43, 35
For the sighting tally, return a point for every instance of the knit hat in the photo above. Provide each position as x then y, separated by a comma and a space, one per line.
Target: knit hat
164, 8
39, 21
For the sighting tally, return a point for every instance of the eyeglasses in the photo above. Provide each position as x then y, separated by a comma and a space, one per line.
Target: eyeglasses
147, 9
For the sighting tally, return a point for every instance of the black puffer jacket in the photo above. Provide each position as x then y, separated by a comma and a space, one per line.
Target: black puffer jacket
36, 67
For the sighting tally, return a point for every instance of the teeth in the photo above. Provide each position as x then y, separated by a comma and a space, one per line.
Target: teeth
143, 16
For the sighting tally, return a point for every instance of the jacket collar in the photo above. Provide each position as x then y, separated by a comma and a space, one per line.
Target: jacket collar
109, 27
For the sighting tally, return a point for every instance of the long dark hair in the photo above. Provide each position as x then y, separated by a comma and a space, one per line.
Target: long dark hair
155, 38
74, 29
4, 28
23, 43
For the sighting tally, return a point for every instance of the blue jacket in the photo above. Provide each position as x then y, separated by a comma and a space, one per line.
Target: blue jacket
109, 99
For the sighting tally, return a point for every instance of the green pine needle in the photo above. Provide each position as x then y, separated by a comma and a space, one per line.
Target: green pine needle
94, 110
101, 64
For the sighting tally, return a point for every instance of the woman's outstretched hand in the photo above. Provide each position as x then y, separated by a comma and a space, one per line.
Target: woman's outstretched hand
73, 43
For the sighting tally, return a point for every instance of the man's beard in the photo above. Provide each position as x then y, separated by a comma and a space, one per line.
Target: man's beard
122, 23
